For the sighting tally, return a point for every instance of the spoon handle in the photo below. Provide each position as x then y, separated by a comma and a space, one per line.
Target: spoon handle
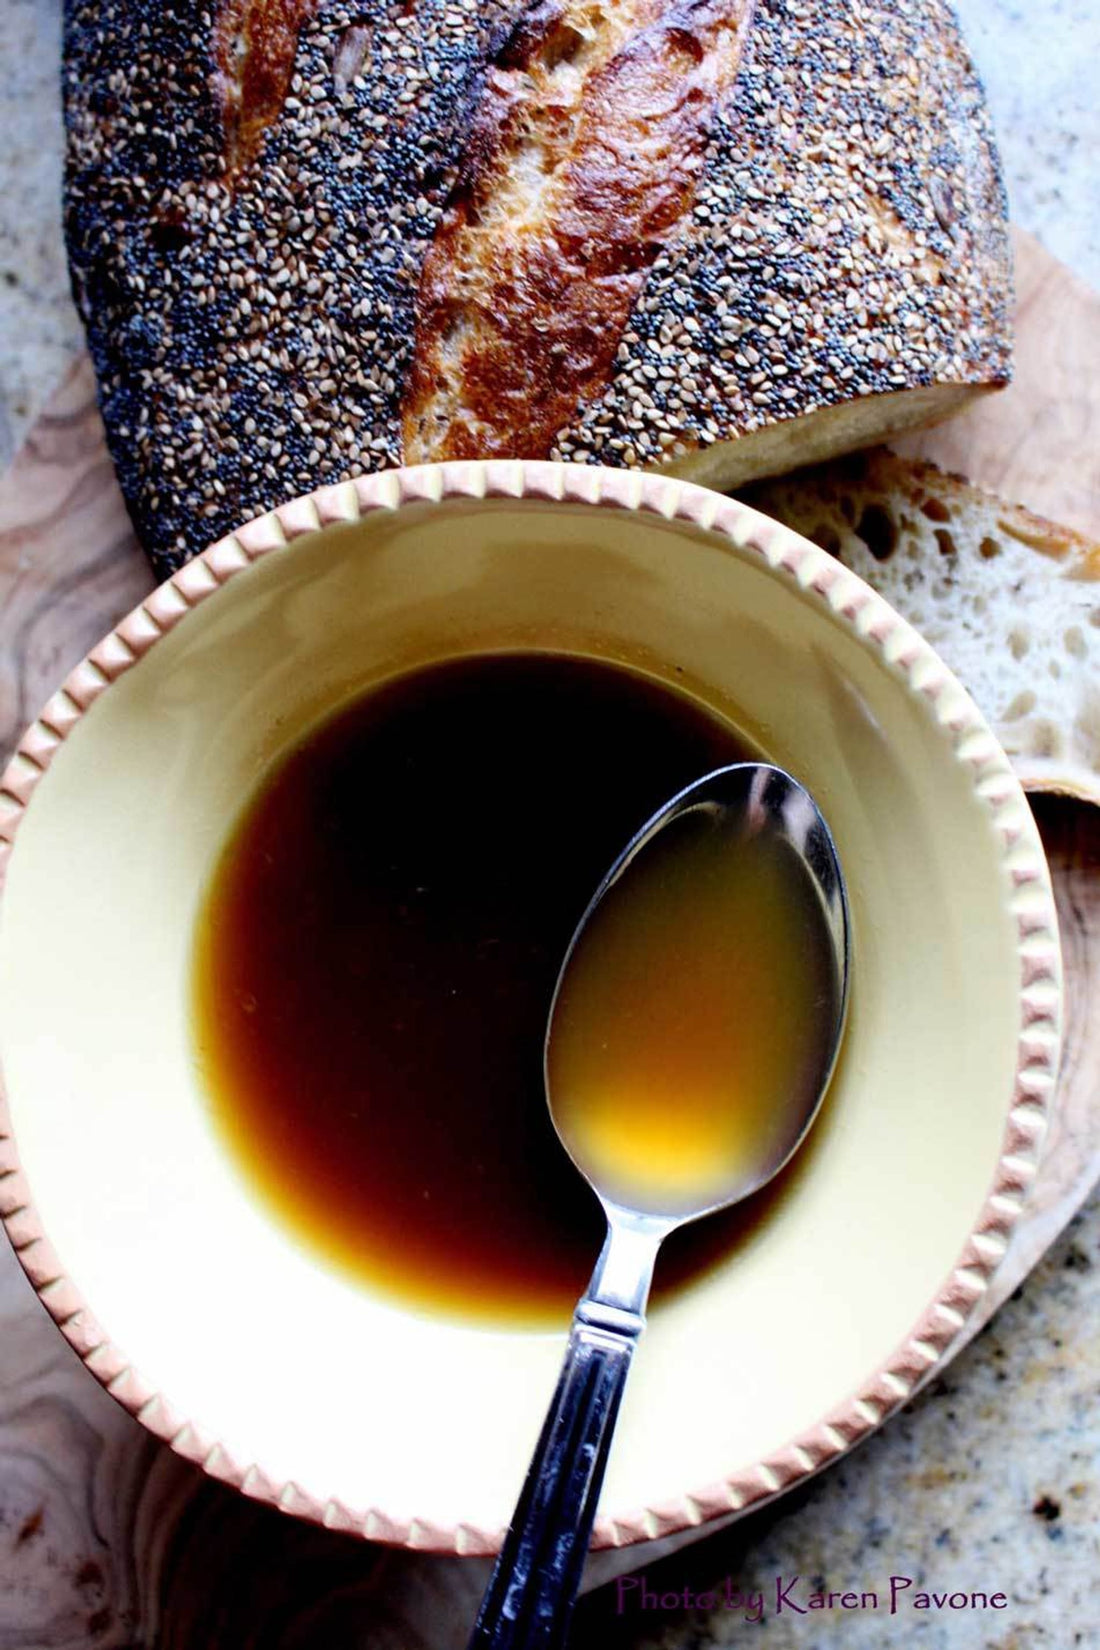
530, 1596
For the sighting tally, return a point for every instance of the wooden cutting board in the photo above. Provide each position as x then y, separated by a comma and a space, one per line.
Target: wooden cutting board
113, 1542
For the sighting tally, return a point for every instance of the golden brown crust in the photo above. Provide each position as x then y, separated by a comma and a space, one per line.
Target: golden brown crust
582, 165
841, 270
254, 45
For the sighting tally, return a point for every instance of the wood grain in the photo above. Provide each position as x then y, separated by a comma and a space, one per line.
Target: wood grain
70, 566
109, 1541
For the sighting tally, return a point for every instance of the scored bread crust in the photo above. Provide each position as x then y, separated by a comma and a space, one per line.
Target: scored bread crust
253, 46
269, 220
582, 162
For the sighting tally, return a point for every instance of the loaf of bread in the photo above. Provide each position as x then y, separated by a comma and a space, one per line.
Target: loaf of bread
1009, 600
311, 237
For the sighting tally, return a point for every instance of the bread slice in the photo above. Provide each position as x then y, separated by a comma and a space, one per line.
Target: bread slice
310, 237
1009, 600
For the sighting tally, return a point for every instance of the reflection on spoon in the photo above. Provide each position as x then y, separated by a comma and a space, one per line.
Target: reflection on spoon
693, 1031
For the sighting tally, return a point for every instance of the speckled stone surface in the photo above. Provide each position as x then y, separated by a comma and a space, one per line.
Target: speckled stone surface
988, 1483
1038, 62
39, 329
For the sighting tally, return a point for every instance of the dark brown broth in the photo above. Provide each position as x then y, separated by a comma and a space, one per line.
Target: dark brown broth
376, 956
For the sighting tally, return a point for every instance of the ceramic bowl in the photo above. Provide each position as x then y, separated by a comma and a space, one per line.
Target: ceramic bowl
202, 1315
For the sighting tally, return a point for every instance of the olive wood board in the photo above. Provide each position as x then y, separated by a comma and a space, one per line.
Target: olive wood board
107, 1539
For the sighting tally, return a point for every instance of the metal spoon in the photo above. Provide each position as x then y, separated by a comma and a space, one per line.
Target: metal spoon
530, 1597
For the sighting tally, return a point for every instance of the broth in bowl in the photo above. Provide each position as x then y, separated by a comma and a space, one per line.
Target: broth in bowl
226, 1328
377, 954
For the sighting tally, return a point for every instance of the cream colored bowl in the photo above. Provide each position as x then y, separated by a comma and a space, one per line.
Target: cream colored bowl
202, 1315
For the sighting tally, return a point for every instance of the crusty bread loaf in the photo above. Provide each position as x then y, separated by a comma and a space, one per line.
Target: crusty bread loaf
310, 237
1009, 600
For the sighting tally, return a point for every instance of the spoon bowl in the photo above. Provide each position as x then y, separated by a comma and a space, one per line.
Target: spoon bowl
699, 1009
693, 1031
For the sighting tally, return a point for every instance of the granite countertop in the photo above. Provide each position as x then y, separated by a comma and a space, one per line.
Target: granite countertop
986, 1484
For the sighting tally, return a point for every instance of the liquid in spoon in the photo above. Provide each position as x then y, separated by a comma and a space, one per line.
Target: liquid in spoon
693, 1017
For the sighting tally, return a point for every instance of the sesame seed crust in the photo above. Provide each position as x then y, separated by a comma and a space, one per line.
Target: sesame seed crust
252, 325
848, 241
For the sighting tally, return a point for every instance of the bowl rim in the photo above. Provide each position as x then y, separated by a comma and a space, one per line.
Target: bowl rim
818, 578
